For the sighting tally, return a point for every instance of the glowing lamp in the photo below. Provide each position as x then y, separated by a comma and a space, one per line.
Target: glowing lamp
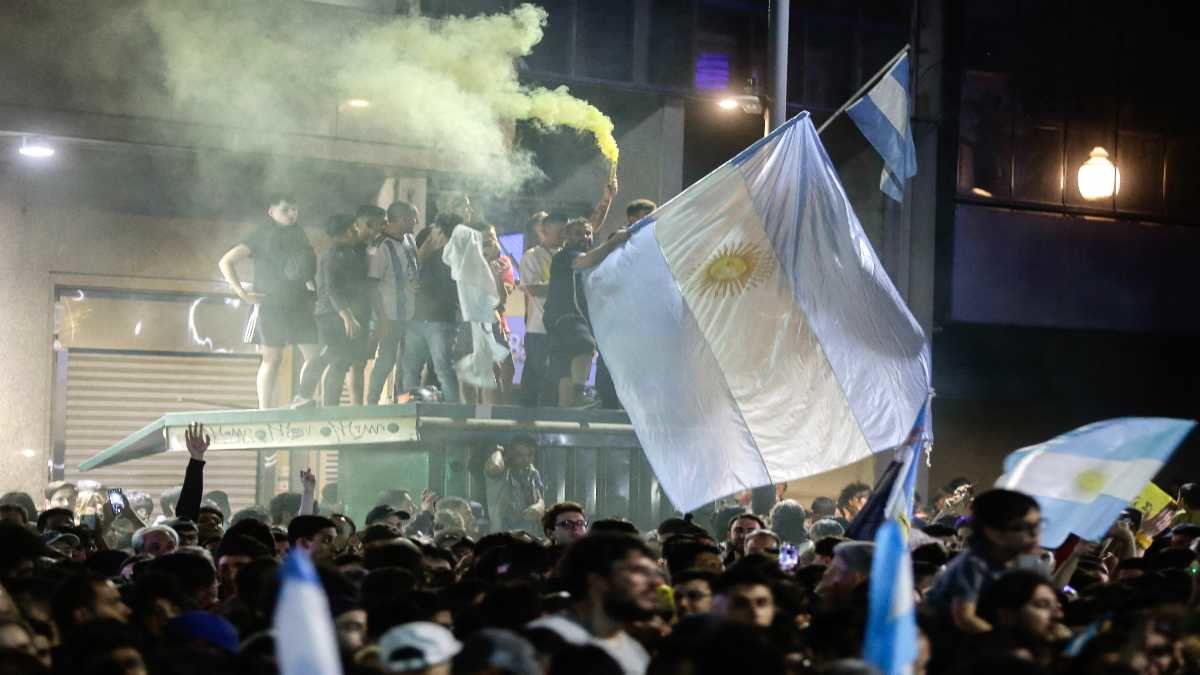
358, 103
36, 146
749, 104
1098, 177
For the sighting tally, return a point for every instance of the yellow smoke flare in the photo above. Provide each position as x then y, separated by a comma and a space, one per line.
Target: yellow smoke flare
451, 83
556, 107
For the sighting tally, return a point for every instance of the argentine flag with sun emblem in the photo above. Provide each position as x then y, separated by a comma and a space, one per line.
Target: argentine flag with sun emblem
1083, 479
751, 332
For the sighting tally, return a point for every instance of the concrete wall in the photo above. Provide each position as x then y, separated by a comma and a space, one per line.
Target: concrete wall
38, 237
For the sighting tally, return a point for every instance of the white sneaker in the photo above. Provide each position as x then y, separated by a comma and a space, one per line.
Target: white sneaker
300, 402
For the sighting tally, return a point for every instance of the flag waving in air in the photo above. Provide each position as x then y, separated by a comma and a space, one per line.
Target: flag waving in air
1085, 478
750, 330
305, 641
882, 116
894, 494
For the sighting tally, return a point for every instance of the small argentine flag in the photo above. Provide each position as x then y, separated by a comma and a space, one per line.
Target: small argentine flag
1086, 477
882, 116
305, 641
890, 643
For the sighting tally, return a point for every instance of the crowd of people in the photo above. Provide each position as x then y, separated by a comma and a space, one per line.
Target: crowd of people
382, 292
95, 581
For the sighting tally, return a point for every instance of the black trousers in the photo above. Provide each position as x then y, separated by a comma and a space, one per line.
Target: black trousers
537, 385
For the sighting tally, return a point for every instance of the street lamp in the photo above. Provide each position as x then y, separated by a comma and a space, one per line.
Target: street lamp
749, 104
1098, 177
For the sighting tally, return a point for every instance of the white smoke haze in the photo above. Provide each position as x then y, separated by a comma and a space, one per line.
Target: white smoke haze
450, 84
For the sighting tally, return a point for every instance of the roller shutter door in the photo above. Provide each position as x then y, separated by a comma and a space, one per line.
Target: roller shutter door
112, 394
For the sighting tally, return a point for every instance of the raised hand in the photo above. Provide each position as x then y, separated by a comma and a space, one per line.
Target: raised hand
308, 479
610, 188
428, 500
197, 441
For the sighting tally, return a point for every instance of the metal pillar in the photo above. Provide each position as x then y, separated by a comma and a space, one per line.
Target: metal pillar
764, 497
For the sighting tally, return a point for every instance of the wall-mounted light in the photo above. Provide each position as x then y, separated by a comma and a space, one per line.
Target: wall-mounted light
358, 103
36, 146
749, 104
1098, 177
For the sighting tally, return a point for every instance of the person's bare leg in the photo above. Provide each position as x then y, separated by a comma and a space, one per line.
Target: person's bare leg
581, 367
354, 380
268, 376
566, 392
309, 352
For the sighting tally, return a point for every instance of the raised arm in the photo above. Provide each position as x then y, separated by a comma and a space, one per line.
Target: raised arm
308, 501
597, 255
193, 480
600, 212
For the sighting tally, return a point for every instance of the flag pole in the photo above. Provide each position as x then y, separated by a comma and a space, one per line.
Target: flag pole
865, 88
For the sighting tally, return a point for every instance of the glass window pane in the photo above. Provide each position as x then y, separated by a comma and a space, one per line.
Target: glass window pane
1037, 162
1140, 159
671, 43
144, 321
828, 62
985, 136
553, 53
605, 38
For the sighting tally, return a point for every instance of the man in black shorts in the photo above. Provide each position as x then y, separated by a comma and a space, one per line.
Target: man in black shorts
284, 269
572, 346
343, 309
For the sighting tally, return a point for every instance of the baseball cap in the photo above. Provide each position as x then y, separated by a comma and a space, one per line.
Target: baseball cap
416, 646
500, 649
65, 538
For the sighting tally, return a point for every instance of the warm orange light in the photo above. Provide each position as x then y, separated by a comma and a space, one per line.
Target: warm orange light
1098, 177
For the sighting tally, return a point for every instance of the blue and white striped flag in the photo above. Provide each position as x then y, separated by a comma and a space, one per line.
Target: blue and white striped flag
894, 494
882, 116
1084, 479
305, 641
890, 643
750, 330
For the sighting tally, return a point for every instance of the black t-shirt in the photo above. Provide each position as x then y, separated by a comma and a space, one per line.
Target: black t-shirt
436, 297
342, 282
564, 297
284, 263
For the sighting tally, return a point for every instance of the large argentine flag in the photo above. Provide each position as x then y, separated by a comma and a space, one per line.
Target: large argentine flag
1084, 478
305, 642
882, 116
751, 332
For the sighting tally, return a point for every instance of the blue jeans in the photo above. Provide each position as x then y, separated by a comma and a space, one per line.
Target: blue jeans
385, 360
425, 340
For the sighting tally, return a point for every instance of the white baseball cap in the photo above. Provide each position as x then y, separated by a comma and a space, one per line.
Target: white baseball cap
417, 646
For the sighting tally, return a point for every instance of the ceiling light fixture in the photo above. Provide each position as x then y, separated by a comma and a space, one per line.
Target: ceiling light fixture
36, 146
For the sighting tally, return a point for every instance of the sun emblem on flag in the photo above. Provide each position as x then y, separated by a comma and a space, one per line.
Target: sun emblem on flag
1091, 481
734, 268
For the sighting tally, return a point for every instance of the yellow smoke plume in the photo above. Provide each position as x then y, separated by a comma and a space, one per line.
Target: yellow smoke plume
449, 83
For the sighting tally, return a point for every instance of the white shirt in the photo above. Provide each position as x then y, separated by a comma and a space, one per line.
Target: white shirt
626, 651
535, 271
